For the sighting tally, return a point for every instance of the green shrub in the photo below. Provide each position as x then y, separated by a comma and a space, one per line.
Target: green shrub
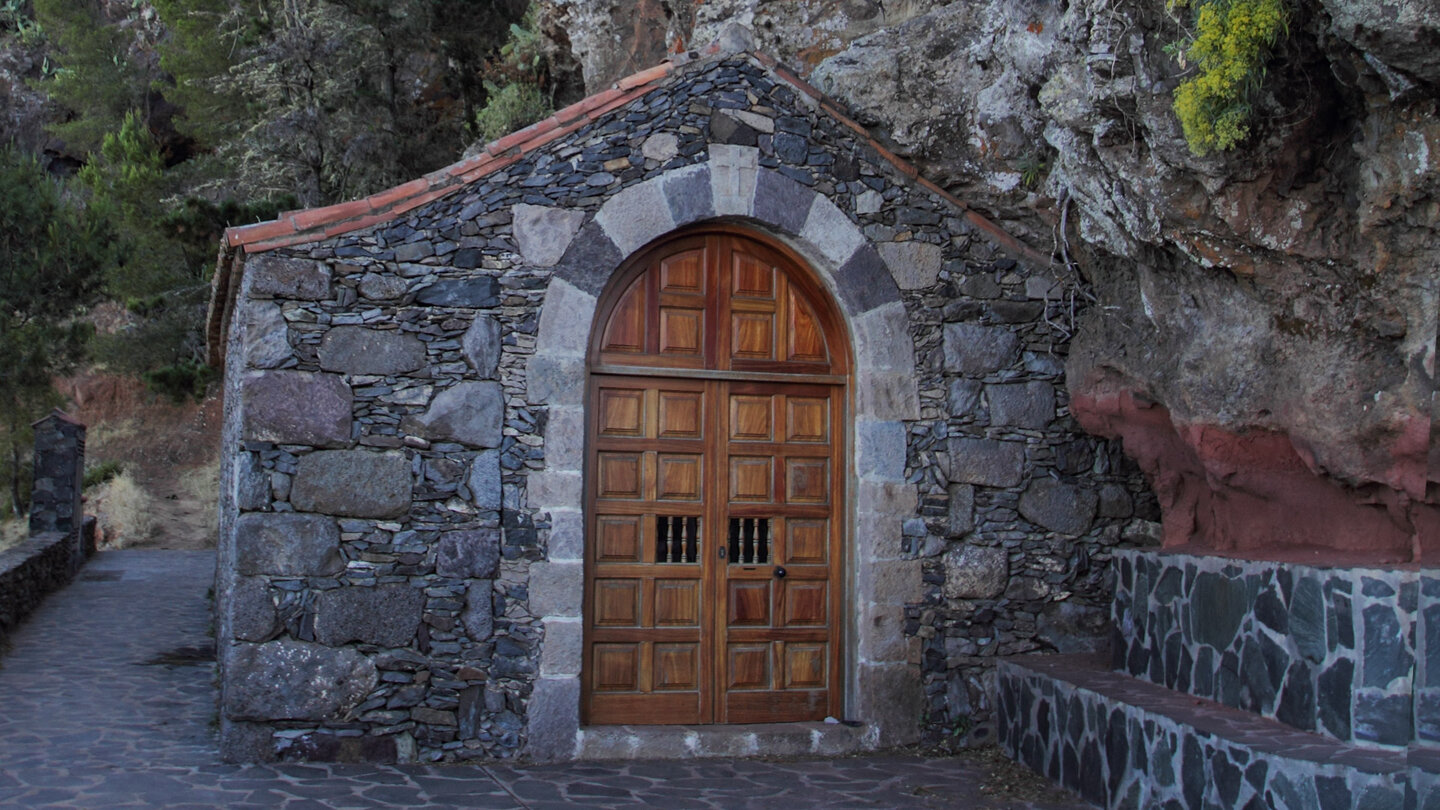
509, 108
187, 379
1230, 44
102, 472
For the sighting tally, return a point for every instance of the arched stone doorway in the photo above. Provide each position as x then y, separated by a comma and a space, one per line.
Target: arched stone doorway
715, 553
881, 683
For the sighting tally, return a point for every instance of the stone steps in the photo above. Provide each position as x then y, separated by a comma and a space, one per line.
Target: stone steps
1122, 742
696, 742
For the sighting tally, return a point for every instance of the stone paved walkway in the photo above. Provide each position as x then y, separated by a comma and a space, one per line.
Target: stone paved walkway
107, 700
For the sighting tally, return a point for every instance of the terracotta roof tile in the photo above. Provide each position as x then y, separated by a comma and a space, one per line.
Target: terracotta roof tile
246, 234
584, 106
391, 196
495, 164
305, 220
660, 71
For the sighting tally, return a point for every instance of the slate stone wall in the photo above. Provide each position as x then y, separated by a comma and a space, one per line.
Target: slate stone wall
382, 553
1120, 755
1349, 653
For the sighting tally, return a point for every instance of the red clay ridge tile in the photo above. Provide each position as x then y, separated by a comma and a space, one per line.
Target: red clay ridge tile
504, 144
660, 71
385, 199
356, 224
260, 231
547, 136
495, 164
274, 244
765, 59
305, 220
587, 104
418, 200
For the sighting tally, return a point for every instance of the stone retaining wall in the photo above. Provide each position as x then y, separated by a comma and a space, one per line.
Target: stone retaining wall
1131, 752
29, 571
402, 520
1353, 653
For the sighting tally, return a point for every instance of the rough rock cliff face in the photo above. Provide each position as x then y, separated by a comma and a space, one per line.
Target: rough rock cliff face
1263, 325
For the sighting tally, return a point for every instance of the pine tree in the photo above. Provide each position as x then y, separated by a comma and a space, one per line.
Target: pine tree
53, 252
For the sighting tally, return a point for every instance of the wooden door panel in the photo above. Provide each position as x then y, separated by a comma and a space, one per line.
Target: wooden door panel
748, 666
804, 340
683, 272
618, 538
622, 412
617, 603
625, 331
700, 491
752, 478
807, 480
748, 603
681, 414
677, 666
677, 603
678, 477
779, 706
681, 330
751, 276
751, 419
805, 665
615, 667
805, 603
621, 475
807, 419
806, 541
752, 336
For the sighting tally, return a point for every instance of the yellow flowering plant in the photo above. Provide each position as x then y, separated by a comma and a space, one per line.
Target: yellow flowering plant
1231, 41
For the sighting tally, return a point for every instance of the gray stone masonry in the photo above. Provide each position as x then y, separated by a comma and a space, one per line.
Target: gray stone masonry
420, 385
59, 474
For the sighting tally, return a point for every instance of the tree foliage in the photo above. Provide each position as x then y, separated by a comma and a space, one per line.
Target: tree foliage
178, 108
331, 99
102, 70
53, 252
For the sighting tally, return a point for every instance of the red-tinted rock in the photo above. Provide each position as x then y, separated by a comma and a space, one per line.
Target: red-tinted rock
1256, 495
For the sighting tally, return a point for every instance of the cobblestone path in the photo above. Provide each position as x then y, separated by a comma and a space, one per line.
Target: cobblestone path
107, 699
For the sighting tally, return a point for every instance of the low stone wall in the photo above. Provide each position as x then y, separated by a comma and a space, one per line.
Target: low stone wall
1136, 745
1346, 652
29, 572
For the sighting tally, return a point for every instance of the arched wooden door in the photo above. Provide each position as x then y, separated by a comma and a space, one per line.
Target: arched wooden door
716, 408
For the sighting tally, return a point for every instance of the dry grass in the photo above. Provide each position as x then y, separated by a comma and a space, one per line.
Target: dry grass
13, 531
201, 486
125, 511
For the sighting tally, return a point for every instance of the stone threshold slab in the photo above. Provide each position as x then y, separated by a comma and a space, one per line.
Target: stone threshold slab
697, 742
1209, 718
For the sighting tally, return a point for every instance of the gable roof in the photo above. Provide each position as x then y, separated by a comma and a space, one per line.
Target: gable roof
317, 224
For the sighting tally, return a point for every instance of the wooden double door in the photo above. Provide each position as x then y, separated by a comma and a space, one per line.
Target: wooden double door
713, 553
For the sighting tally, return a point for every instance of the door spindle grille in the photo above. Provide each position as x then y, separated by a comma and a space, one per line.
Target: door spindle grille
749, 541
677, 539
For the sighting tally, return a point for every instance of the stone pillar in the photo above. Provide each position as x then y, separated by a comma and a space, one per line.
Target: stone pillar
59, 476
